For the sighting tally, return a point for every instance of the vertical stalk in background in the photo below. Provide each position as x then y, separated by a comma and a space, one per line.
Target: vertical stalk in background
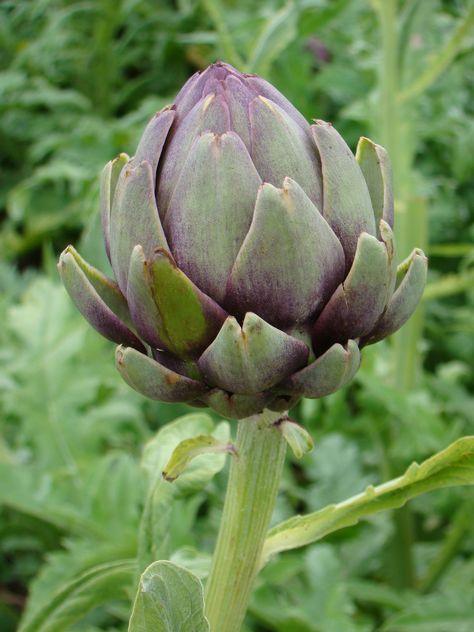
397, 131
398, 135
252, 488
412, 218
461, 523
394, 133
102, 65
216, 13
389, 108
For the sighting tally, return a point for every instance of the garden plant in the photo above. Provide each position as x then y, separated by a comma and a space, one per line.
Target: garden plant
242, 478
234, 291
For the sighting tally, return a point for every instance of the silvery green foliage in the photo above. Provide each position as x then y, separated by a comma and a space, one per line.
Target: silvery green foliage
253, 253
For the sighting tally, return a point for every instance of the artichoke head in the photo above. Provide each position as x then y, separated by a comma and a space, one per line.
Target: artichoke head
253, 253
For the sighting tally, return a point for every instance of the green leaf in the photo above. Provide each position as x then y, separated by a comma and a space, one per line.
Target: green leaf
158, 450
434, 618
19, 491
154, 537
279, 31
78, 557
448, 285
375, 593
442, 59
155, 527
329, 603
452, 466
72, 602
169, 599
189, 449
450, 250
197, 562
316, 601
299, 440
448, 609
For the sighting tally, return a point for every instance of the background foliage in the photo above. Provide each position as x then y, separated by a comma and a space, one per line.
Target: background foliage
78, 82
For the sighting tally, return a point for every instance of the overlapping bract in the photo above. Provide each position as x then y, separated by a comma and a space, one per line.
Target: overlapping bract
253, 253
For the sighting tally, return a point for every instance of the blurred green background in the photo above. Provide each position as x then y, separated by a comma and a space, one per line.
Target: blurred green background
78, 81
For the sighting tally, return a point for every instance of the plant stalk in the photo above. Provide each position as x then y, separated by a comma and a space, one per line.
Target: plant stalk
394, 127
398, 130
252, 488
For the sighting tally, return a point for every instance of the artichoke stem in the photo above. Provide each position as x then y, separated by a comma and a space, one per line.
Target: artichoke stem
252, 488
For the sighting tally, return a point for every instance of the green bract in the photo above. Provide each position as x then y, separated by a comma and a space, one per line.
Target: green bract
253, 253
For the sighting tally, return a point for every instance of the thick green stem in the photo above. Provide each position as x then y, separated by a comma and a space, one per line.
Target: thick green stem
397, 130
389, 112
251, 492
395, 135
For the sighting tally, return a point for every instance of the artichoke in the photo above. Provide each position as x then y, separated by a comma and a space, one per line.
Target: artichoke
253, 254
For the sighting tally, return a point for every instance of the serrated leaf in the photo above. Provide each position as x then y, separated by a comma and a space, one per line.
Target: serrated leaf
71, 562
439, 612
319, 603
75, 599
19, 491
188, 450
169, 599
438, 619
448, 609
329, 602
452, 466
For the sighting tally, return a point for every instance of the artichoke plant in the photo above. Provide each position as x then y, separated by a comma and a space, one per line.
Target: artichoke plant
253, 253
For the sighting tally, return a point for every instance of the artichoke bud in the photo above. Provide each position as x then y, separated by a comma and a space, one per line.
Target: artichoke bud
252, 252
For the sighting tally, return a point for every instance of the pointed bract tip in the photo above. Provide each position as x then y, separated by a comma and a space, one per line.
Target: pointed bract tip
321, 123
418, 252
121, 156
119, 354
162, 253
69, 251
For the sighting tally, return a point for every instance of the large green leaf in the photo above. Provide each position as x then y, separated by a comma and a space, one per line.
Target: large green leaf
17, 491
77, 558
96, 586
169, 599
450, 608
452, 466
155, 528
312, 594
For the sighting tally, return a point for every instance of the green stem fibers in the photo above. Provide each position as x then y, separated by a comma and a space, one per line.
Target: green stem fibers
254, 479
